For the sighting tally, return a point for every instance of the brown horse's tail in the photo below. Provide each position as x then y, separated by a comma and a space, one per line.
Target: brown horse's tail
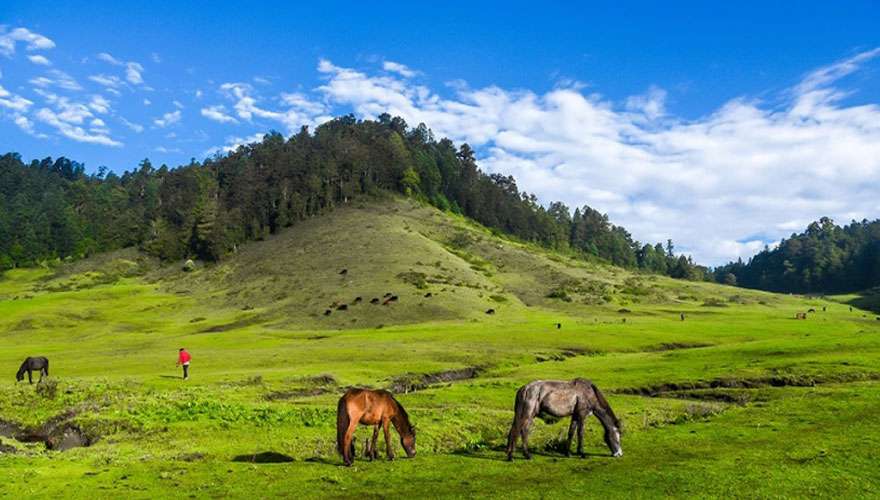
605, 406
342, 423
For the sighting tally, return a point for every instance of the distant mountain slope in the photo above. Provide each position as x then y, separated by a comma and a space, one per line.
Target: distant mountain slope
53, 210
439, 266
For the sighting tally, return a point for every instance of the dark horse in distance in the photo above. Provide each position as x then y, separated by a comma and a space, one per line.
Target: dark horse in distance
579, 398
32, 364
372, 407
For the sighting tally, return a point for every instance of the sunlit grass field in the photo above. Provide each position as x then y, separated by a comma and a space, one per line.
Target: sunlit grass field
739, 399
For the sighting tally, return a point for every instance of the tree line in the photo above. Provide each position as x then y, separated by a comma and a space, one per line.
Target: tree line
825, 258
53, 209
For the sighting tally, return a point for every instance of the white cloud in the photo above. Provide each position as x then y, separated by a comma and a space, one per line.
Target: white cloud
168, 119
398, 68
67, 124
163, 149
299, 110
32, 41
110, 81
103, 56
155, 58
13, 102
177, 104
56, 78
232, 143
133, 72
99, 104
133, 126
39, 60
743, 169
218, 114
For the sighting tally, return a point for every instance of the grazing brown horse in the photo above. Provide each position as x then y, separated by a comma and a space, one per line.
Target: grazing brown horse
579, 398
372, 407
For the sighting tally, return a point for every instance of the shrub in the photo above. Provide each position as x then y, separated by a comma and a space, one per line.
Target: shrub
47, 388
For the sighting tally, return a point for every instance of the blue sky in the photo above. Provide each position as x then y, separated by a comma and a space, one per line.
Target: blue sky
723, 127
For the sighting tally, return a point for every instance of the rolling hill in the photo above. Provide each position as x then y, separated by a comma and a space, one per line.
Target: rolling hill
739, 392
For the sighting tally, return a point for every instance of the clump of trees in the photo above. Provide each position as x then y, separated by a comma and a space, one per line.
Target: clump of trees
53, 209
825, 258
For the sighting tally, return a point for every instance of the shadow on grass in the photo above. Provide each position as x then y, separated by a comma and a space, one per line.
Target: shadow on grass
178, 377
500, 455
264, 457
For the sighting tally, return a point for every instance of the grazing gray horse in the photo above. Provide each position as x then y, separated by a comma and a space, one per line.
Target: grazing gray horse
579, 398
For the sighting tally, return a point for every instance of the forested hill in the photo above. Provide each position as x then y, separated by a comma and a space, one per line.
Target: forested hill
826, 258
53, 209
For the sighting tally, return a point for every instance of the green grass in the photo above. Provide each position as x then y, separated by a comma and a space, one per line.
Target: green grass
111, 327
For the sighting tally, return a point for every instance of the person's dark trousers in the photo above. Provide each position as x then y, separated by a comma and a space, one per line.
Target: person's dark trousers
186, 371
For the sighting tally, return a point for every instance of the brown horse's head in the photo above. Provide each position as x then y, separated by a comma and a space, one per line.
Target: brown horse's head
405, 429
408, 441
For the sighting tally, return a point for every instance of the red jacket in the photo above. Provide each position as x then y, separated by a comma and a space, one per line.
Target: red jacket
184, 357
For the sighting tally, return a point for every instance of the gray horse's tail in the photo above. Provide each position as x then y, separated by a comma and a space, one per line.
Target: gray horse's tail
605, 406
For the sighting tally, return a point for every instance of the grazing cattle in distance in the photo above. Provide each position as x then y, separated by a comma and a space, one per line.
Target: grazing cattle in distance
579, 399
374, 300
342, 307
375, 408
357, 300
393, 298
429, 295
801, 316
387, 294
490, 311
30, 364
343, 272
327, 312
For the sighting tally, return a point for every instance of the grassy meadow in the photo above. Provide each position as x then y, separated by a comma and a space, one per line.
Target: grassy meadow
738, 400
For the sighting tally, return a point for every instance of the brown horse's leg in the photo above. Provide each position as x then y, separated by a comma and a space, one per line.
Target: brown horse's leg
30, 378
373, 453
571, 428
347, 445
386, 422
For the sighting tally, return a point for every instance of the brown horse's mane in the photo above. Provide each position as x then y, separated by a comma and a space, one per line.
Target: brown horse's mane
403, 424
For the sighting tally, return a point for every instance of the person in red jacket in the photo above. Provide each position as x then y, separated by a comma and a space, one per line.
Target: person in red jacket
183, 359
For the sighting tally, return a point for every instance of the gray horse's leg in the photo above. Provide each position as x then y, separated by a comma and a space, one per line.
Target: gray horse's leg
30, 378
571, 428
524, 433
580, 429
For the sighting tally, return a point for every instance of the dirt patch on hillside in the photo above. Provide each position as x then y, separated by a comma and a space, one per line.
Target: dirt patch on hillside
566, 353
410, 382
59, 433
306, 387
673, 346
240, 323
674, 389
